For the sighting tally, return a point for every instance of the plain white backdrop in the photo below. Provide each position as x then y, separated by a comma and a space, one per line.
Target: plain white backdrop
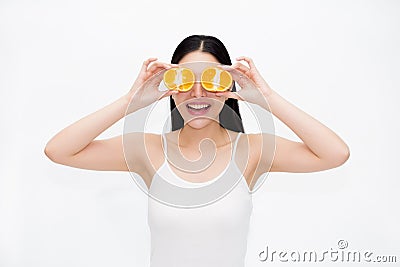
62, 60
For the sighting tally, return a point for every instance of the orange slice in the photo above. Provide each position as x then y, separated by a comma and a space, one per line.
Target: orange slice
216, 80
181, 79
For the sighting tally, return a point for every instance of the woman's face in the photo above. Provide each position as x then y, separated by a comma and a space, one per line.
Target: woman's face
198, 107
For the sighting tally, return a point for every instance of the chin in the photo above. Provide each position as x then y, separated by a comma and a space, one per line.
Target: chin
199, 123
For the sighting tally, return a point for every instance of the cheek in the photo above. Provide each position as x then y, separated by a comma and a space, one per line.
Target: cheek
220, 107
219, 102
180, 100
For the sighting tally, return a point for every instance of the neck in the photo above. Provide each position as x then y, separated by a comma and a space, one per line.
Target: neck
191, 137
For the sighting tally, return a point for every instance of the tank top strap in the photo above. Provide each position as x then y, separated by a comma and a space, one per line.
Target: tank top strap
164, 139
235, 145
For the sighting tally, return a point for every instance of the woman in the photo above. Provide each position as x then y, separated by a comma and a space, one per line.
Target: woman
212, 235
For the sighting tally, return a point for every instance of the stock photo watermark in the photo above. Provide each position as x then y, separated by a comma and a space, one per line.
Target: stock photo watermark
139, 120
340, 254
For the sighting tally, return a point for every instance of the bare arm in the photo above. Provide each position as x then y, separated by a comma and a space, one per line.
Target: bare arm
321, 148
75, 145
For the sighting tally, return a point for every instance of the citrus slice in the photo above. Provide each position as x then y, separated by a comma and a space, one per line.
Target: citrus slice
181, 79
216, 80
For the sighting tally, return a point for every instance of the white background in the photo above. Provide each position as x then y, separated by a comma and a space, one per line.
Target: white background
62, 60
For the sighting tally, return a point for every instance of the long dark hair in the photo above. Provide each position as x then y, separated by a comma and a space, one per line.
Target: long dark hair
229, 117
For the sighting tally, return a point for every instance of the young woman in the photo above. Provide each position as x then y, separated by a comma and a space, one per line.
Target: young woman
216, 234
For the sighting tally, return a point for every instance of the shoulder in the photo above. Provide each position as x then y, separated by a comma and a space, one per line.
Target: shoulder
145, 148
153, 144
258, 147
259, 140
253, 140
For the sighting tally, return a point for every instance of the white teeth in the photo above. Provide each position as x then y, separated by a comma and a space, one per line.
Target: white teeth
196, 106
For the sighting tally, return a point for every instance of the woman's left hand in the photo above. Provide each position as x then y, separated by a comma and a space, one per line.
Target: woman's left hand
254, 89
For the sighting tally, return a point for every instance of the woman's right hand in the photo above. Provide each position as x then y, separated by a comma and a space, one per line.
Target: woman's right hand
144, 90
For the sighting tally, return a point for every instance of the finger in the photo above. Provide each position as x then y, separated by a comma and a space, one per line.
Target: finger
169, 93
158, 63
248, 60
157, 66
146, 63
237, 75
154, 80
242, 68
143, 69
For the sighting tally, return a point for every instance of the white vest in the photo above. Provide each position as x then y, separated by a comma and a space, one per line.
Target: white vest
214, 235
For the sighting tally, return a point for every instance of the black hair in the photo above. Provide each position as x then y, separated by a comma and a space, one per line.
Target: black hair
229, 117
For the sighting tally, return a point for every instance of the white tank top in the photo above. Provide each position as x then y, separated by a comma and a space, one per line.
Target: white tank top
211, 235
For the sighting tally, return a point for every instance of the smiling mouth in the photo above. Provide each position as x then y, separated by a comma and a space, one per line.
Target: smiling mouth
198, 107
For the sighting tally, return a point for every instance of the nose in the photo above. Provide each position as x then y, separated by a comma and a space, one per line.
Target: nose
198, 90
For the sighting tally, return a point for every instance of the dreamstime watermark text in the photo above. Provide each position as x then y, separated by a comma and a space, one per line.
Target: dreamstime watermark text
339, 254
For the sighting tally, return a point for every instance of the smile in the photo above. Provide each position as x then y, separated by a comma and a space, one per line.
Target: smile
198, 108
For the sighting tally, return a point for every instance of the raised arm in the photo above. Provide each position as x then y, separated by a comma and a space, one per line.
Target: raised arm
321, 148
75, 145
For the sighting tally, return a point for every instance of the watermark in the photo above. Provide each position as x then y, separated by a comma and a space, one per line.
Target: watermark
169, 182
340, 254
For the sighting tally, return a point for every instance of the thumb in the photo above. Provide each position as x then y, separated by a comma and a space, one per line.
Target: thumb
169, 93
